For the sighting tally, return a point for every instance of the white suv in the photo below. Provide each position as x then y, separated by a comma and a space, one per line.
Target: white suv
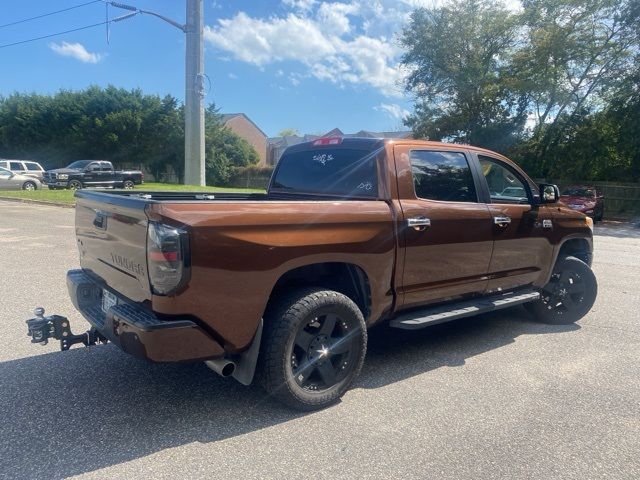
23, 167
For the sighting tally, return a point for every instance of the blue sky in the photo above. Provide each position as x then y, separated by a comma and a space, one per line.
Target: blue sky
303, 64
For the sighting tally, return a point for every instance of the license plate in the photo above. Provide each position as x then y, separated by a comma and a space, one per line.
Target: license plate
108, 300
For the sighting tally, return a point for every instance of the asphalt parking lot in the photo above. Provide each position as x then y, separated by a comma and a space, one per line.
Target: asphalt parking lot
495, 397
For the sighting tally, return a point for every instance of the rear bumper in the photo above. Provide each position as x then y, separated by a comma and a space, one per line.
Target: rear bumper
138, 331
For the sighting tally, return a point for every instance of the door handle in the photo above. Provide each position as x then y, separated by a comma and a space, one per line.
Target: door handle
502, 220
418, 223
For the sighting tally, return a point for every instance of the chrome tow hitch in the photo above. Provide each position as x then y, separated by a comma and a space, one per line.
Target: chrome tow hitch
42, 328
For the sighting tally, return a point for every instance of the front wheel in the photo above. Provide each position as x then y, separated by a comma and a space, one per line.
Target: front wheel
29, 186
569, 295
313, 348
75, 185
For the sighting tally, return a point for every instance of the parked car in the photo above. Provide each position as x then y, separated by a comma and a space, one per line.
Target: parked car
14, 181
91, 173
585, 199
351, 233
24, 167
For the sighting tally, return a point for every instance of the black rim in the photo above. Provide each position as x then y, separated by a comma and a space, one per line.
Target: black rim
323, 352
564, 292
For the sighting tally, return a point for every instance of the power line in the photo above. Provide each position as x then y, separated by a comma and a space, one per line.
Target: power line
117, 19
50, 13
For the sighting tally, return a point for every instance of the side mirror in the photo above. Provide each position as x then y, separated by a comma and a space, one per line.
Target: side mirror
549, 193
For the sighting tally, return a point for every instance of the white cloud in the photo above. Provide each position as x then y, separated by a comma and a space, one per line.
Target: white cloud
75, 50
325, 43
232, 75
304, 5
342, 42
393, 110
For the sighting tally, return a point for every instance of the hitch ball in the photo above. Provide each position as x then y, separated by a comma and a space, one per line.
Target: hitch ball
39, 328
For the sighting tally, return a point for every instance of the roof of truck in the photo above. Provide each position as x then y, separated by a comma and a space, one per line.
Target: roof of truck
371, 143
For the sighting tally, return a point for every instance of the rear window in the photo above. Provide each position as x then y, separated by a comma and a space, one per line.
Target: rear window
329, 171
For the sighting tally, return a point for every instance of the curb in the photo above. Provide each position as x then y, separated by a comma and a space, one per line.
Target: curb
38, 202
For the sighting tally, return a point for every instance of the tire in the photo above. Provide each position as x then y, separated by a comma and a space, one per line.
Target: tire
75, 185
128, 184
29, 185
568, 296
299, 337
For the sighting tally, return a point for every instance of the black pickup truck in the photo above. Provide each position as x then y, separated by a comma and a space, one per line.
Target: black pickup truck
91, 173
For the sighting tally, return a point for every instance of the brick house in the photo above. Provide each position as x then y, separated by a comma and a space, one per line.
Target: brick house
242, 125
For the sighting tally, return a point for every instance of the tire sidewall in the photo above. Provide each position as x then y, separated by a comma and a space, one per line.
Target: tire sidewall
28, 182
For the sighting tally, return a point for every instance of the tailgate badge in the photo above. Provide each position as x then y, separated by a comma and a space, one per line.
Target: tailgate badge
547, 224
101, 220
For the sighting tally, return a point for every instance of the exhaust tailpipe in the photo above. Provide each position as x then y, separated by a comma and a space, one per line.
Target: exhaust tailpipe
222, 366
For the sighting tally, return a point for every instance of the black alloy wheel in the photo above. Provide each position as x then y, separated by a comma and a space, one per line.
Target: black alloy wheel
569, 295
323, 351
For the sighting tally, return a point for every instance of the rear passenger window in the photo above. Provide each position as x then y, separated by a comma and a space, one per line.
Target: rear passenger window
15, 166
442, 176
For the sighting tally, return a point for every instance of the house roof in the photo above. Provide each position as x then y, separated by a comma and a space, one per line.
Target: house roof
336, 132
226, 117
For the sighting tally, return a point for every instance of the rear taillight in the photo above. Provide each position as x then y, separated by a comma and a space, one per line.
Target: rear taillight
167, 258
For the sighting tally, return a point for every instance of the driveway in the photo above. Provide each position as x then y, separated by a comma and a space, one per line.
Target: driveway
495, 397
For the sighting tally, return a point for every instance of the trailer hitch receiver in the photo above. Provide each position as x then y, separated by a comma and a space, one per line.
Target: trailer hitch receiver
42, 328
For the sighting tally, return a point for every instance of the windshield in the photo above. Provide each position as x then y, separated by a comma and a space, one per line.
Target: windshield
329, 171
79, 165
578, 192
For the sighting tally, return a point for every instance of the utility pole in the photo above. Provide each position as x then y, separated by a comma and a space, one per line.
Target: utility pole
194, 172
194, 96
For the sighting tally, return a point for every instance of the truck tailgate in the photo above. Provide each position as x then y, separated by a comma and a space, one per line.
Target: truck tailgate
112, 238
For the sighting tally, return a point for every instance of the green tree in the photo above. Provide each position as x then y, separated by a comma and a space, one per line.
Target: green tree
288, 132
124, 126
573, 51
457, 56
224, 149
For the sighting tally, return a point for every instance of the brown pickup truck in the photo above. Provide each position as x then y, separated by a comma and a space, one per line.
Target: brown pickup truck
351, 233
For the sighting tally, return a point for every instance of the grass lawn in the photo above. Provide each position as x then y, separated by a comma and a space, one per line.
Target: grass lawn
66, 196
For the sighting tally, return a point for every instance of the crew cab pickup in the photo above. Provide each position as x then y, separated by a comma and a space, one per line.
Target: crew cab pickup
351, 233
91, 173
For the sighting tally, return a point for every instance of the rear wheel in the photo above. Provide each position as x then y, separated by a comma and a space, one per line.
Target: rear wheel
128, 184
29, 185
568, 296
313, 348
75, 184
